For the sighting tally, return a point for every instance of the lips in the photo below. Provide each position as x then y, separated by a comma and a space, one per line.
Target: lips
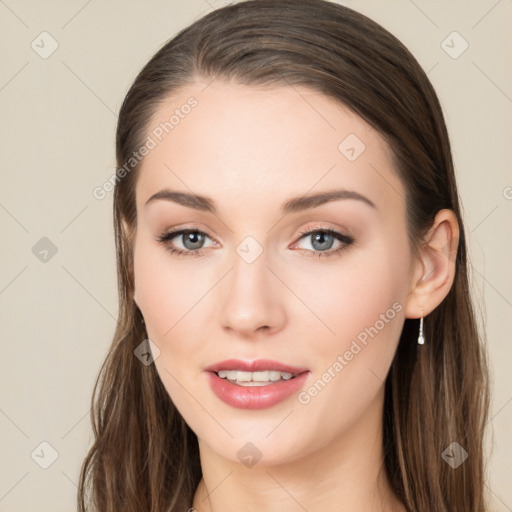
258, 365
257, 397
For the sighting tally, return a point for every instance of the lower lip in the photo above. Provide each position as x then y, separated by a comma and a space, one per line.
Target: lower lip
255, 397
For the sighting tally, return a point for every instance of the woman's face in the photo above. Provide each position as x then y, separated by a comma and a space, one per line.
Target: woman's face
250, 285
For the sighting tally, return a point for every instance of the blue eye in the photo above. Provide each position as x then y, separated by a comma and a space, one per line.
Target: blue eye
193, 240
196, 239
325, 237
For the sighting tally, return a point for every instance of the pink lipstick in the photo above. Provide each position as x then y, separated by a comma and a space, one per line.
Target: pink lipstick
255, 384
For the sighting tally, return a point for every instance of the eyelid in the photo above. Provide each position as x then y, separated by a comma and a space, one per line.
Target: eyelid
327, 228
174, 232
346, 239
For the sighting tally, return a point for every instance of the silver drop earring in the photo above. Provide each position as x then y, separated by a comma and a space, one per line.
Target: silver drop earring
421, 338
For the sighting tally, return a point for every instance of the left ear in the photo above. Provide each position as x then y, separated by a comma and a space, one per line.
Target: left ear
435, 268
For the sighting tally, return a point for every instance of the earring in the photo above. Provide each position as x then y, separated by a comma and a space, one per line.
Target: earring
421, 338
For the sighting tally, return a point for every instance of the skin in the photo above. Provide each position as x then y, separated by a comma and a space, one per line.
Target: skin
250, 149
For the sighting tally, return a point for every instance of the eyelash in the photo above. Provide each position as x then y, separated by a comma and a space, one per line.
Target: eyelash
165, 237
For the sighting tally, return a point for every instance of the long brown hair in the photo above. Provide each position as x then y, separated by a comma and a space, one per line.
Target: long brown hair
144, 456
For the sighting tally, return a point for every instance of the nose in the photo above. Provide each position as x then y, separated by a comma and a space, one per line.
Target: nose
253, 299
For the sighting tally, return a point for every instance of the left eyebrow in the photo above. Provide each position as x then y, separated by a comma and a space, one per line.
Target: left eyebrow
295, 204
312, 201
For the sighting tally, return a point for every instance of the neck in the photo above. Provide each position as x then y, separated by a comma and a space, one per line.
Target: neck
347, 474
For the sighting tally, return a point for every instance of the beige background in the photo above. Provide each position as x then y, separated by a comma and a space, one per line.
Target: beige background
58, 117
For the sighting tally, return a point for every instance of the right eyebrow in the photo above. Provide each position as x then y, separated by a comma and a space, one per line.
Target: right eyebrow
185, 199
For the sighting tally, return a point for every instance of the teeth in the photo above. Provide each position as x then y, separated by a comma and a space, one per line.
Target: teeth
254, 378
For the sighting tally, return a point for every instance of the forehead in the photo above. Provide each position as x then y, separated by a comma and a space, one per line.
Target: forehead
232, 141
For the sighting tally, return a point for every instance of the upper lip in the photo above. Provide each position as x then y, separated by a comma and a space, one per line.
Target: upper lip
254, 366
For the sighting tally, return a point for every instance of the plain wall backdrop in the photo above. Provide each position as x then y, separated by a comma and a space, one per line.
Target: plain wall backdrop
65, 69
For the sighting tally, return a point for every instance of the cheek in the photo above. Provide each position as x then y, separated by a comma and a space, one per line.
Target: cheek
167, 291
169, 295
363, 310
352, 297
176, 298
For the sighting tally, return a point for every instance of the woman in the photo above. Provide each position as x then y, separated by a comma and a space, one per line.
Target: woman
295, 327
